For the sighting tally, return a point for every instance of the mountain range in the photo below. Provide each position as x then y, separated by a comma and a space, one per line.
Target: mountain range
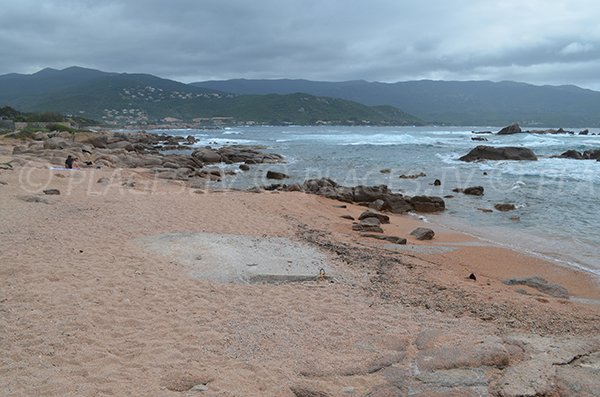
448, 102
122, 98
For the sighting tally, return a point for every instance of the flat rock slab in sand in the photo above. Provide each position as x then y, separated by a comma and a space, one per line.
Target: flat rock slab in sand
421, 249
236, 258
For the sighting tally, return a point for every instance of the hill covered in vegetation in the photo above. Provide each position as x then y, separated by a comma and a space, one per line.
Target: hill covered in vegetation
145, 99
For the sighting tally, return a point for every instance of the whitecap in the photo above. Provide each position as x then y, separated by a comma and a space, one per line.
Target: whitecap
208, 141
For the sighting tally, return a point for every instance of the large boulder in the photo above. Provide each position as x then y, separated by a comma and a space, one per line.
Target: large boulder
505, 207
314, 185
207, 155
121, 145
372, 214
56, 143
428, 204
483, 152
511, 129
396, 203
276, 175
368, 194
98, 141
474, 190
241, 154
571, 154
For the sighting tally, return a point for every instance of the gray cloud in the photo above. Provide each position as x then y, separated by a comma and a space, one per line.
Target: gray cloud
540, 42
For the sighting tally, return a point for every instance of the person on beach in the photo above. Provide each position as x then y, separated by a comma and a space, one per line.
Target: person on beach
71, 162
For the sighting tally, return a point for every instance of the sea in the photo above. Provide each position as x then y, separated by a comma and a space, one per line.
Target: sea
557, 214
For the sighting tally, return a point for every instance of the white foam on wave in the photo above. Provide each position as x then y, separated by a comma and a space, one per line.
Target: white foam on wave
550, 168
518, 185
534, 141
451, 158
211, 141
232, 132
341, 138
547, 168
401, 139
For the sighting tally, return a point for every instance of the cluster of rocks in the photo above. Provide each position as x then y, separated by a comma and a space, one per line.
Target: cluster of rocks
516, 129
143, 150
412, 176
235, 154
378, 197
498, 153
478, 191
369, 223
586, 155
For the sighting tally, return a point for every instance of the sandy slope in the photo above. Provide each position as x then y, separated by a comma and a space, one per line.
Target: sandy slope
87, 310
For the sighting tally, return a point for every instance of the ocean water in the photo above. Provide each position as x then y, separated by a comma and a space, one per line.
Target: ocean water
557, 199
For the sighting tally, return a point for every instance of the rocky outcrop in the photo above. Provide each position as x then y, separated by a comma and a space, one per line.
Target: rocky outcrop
427, 203
391, 202
142, 150
511, 129
207, 155
516, 129
56, 143
571, 154
236, 154
483, 152
550, 131
593, 154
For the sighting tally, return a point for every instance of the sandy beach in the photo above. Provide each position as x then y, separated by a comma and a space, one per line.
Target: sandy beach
144, 286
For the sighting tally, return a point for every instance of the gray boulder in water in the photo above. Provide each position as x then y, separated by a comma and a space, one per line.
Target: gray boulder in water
483, 152
511, 129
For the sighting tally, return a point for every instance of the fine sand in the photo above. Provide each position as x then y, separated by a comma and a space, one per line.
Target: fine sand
138, 286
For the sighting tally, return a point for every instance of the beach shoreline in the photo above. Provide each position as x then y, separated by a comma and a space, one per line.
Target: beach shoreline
89, 309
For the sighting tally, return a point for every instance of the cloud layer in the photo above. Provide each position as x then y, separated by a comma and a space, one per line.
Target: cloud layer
535, 41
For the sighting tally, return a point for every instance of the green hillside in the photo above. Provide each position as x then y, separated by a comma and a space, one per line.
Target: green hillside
448, 102
144, 99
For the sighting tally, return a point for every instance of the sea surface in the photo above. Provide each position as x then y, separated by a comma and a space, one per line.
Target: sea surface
558, 200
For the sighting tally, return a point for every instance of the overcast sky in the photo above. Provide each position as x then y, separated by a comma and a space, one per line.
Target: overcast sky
539, 42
